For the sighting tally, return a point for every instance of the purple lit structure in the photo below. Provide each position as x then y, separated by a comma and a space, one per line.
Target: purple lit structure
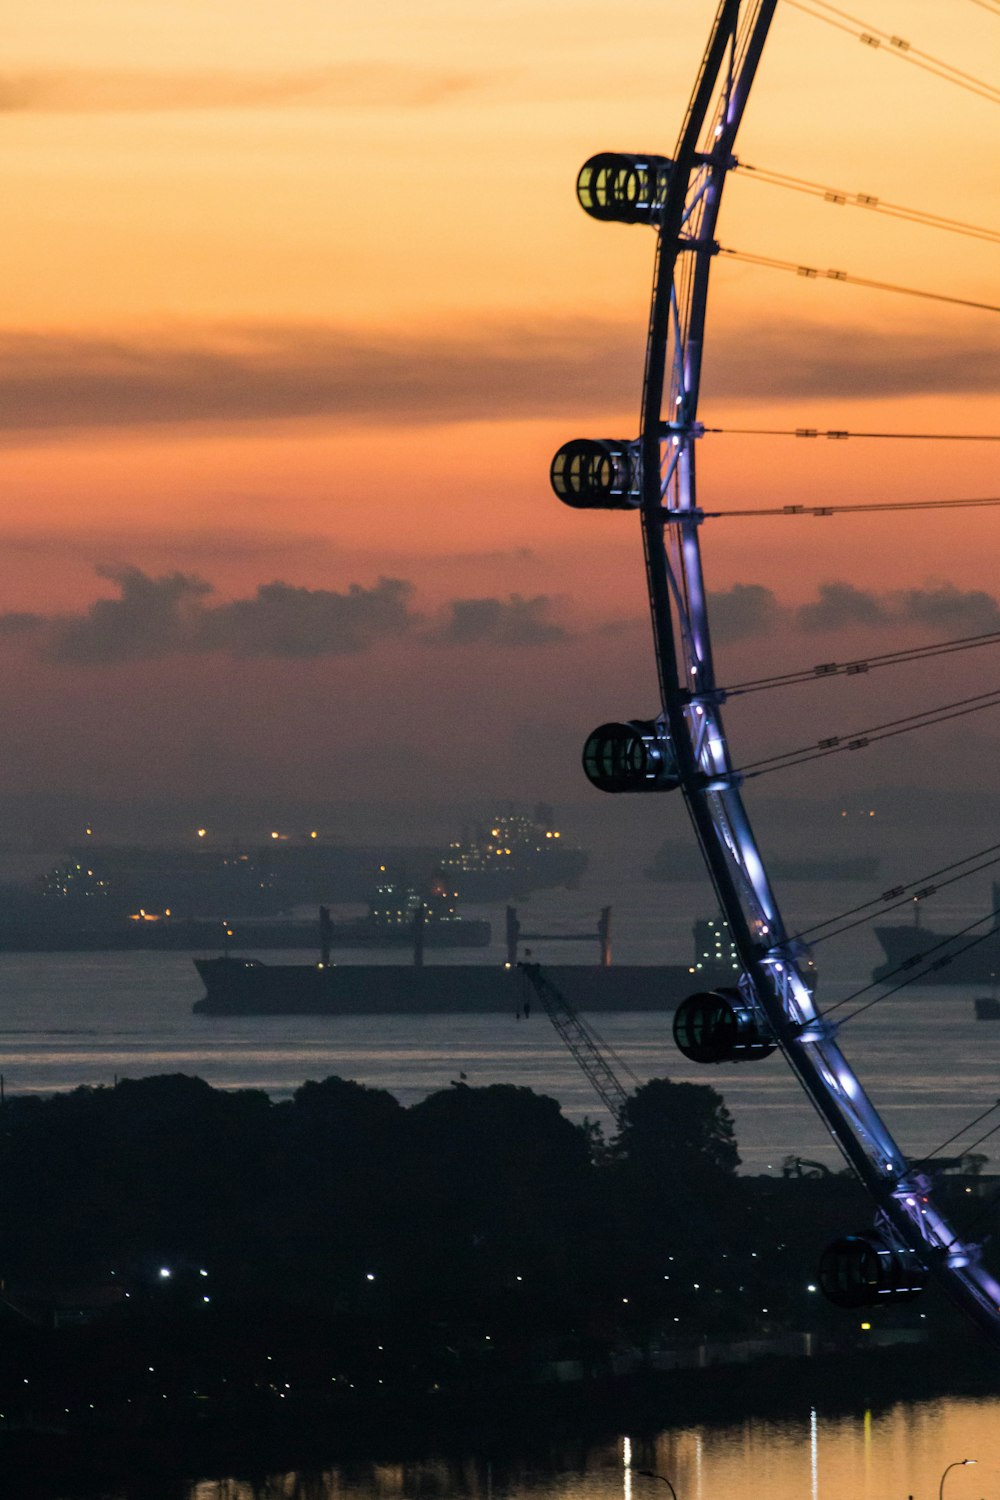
685, 746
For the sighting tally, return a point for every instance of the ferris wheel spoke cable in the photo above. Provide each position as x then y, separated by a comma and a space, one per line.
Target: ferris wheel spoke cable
862, 665
813, 273
861, 738
923, 1160
984, 1137
918, 887
833, 510
923, 894
868, 201
842, 433
910, 967
897, 47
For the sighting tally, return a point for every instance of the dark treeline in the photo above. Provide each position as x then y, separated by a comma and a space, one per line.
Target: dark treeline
168, 1248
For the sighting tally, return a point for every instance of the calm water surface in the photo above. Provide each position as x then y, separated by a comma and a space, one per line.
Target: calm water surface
886, 1455
71, 1019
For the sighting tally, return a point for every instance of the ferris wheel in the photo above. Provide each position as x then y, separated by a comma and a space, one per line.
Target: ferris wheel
684, 746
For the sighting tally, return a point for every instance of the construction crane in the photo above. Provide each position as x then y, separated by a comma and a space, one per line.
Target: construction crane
592, 1053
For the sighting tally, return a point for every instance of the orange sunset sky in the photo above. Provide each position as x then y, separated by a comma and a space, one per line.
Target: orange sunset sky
296, 303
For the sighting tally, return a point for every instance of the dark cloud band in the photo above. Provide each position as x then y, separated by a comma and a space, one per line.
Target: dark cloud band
152, 617
577, 368
748, 610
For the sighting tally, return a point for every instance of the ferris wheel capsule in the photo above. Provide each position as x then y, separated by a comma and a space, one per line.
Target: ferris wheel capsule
618, 187
632, 757
596, 474
718, 1026
862, 1270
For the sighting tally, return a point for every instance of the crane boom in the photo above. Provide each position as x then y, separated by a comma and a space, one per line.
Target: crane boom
581, 1041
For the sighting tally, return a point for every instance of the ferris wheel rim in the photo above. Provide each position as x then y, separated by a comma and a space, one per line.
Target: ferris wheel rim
776, 972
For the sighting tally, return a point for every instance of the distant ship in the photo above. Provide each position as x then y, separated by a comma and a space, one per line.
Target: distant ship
32, 923
515, 855
102, 883
914, 948
245, 986
105, 897
396, 908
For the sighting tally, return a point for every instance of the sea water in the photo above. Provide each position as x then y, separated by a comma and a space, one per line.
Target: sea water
73, 1019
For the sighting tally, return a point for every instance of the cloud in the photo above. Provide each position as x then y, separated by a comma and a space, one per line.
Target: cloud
799, 358
342, 86
841, 604
149, 617
579, 368
944, 606
746, 609
254, 373
19, 622
153, 617
282, 620
500, 622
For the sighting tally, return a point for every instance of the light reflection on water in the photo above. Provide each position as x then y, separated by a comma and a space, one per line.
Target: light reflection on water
866, 1456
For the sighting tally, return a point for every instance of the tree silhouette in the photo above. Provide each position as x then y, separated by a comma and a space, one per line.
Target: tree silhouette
683, 1130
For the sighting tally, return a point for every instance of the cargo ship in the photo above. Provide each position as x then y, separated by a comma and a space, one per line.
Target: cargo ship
247, 987
238, 986
937, 957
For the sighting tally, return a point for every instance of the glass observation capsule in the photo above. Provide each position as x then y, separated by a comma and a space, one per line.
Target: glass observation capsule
596, 474
718, 1026
862, 1270
633, 757
618, 187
